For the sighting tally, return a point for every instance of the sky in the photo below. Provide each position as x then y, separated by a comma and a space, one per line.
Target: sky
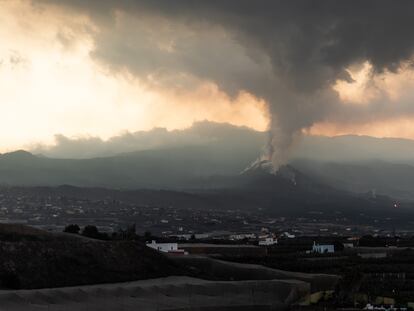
52, 84
104, 68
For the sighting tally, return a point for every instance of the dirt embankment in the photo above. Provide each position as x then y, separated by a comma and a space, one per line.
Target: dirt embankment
214, 269
172, 293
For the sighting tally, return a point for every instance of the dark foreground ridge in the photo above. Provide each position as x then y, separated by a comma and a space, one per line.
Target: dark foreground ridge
32, 258
173, 293
42, 270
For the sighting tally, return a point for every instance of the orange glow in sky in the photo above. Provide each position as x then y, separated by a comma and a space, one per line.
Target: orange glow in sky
48, 87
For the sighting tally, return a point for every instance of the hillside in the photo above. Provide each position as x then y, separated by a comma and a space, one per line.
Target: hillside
162, 168
378, 177
289, 192
31, 258
197, 177
211, 156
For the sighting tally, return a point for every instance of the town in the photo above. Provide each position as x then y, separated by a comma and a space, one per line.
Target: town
54, 208
362, 252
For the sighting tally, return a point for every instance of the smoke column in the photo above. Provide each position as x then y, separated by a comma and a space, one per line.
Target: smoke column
293, 51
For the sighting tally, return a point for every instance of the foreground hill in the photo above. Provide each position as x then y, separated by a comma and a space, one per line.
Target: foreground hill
52, 269
32, 258
173, 294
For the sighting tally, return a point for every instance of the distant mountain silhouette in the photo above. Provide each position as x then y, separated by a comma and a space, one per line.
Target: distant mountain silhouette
208, 155
221, 170
378, 177
194, 173
174, 168
288, 192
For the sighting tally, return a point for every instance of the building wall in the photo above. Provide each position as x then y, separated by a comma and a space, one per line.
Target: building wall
323, 249
163, 247
224, 250
267, 242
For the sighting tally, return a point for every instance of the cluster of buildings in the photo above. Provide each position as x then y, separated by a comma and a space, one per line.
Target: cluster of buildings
323, 248
55, 208
170, 248
257, 244
233, 250
223, 249
230, 250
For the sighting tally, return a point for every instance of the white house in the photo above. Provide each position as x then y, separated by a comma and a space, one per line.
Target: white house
322, 249
267, 241
242, 236
288, 235
197, 236
348, 245
163, 247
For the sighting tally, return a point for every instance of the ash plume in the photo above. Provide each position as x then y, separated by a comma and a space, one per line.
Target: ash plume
288, 52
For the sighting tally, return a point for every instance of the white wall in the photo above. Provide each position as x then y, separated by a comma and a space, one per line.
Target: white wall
323, 248
163, 247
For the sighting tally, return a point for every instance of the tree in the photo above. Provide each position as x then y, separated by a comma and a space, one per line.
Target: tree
338, 246
128, 234
91, 232
72, 228
370, 241
148, 236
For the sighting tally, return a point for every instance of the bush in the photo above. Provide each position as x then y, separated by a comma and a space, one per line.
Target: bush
73, 228
93, 232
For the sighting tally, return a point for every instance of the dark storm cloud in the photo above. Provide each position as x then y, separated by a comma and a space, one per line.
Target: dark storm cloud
288, 52
298, 36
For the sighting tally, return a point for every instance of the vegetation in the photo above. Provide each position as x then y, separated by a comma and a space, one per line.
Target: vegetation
93, 232
75, 229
